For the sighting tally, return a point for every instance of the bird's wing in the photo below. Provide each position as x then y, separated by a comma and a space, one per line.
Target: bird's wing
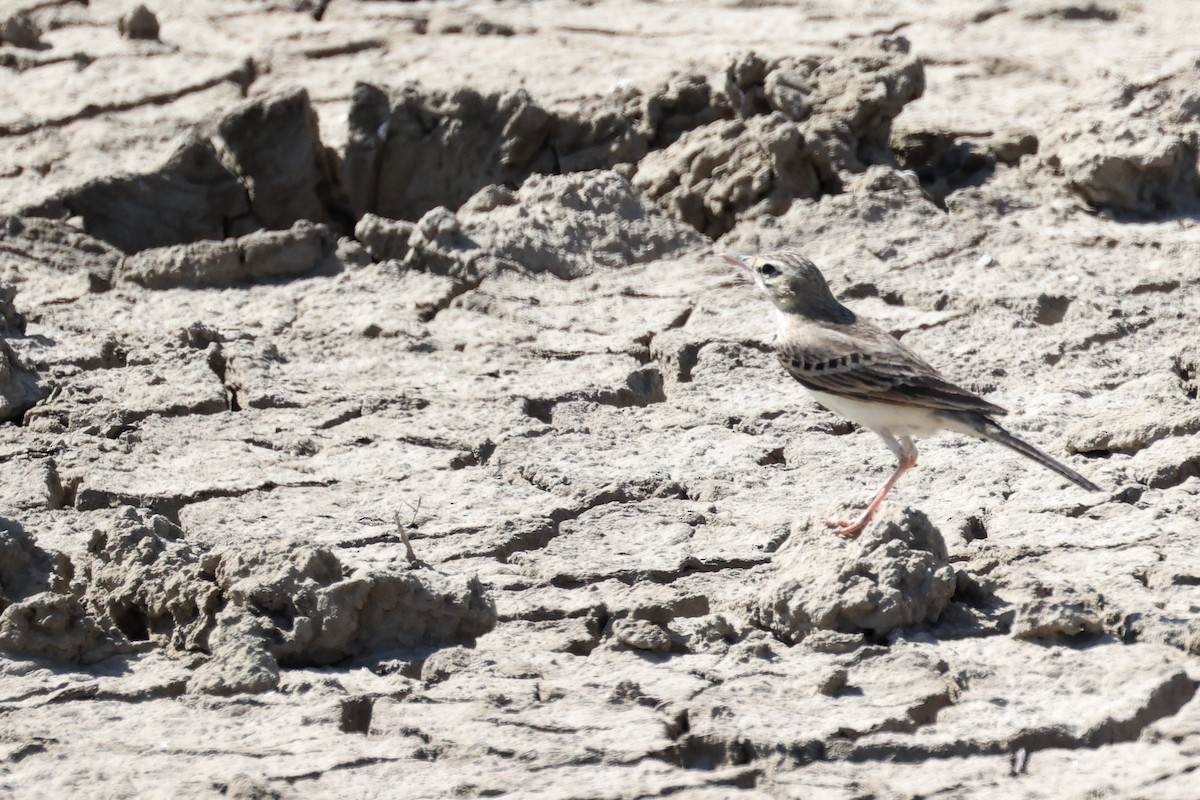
865, 363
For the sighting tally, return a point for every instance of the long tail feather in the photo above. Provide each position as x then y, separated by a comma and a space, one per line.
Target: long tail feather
997, 434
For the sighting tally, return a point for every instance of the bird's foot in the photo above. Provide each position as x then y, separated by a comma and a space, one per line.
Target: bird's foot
846, 528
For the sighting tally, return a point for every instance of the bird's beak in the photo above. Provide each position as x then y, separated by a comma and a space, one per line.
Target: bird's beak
737, 261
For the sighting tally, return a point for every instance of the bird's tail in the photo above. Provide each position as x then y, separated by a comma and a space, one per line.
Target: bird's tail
990, 430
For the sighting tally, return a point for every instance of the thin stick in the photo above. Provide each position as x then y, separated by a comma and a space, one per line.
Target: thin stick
408, 548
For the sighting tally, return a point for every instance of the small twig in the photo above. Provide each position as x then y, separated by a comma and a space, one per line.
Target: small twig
408, 548
412, 523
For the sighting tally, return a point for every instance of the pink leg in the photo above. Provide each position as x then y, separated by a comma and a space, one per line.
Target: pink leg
852, 528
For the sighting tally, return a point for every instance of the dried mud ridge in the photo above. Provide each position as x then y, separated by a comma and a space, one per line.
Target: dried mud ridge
455, 447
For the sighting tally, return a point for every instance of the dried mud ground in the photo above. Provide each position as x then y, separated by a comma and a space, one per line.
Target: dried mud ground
380, 422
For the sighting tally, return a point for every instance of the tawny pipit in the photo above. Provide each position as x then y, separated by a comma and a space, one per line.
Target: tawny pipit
857, 370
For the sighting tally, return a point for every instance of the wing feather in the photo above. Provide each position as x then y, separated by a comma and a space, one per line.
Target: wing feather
865, 366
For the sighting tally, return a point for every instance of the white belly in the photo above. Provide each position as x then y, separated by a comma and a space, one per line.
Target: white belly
897, 420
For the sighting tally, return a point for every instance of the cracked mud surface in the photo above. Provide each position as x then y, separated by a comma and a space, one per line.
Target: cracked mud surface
379, 422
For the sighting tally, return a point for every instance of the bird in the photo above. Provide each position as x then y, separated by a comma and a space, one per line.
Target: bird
857, 370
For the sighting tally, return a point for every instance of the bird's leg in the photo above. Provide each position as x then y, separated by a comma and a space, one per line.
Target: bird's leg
906, 451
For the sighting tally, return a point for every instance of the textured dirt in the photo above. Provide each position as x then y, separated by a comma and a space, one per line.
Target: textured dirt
378, 420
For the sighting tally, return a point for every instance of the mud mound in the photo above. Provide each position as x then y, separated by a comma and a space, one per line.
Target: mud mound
565, 225
896, 575
19, 386
1143, 157
254, 257
710, 151
12, 322
260, 166
40, 613
251, 609
772, 131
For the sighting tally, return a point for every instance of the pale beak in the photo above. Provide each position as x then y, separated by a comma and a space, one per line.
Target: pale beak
737, 261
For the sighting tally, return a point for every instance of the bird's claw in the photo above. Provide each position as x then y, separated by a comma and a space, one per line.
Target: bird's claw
844, 528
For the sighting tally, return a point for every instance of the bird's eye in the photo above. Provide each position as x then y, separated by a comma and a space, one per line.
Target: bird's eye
769, 270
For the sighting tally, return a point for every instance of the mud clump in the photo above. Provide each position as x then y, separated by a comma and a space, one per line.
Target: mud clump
1135, 168
385, 239
255, 610
412, 150
1143, 157
261, 166
147, 582
12, 322
896, 575
238, 615
19, 386
254, 257
40, 615
33, 245
564, 225
714, 175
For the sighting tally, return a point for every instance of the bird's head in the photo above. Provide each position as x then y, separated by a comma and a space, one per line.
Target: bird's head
793, 283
